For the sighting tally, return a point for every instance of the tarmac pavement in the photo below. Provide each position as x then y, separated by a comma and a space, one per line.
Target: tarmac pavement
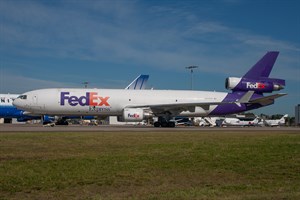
129, 128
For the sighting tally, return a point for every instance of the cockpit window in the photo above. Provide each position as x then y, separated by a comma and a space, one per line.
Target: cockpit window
22, 97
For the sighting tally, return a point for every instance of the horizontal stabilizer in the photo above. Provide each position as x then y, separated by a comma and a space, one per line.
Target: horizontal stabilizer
246, 97
268, 99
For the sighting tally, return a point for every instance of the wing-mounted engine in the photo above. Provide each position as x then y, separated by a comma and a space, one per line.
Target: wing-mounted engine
134, 115
260, 86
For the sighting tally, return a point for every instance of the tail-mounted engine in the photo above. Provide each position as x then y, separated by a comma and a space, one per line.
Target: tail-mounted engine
262, 85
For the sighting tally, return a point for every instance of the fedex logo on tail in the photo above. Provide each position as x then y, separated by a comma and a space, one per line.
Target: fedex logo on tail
90, 99
250, 85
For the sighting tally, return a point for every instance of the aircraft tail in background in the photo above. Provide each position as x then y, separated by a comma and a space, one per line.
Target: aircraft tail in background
139, 83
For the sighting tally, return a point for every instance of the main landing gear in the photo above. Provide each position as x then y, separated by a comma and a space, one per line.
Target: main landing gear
62, 121
162, 122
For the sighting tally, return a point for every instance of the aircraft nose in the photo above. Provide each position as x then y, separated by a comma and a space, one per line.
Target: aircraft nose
21, 101
18, 103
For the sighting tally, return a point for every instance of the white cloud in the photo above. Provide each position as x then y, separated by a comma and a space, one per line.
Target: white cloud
120, 32
20, 84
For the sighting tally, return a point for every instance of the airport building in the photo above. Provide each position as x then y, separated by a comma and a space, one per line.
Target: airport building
297, 115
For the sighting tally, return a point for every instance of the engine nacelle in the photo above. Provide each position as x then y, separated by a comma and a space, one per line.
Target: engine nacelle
132, 115
261, 85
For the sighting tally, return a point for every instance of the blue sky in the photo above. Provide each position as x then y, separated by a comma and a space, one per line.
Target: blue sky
108, 43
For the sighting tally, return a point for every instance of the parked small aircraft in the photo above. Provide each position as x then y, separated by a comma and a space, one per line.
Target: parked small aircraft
276, 122
239, 122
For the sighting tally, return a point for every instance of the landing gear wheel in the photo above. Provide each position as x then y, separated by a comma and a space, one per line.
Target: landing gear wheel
164, 124
171, 124
157, 124
62, 122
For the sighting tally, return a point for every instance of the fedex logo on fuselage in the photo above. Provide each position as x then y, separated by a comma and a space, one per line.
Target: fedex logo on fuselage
90, 99
250, 85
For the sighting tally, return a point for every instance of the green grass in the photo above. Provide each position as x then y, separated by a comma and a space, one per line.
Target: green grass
150, 165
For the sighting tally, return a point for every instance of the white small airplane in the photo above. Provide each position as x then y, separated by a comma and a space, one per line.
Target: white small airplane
239, 122
137, 105
276, 122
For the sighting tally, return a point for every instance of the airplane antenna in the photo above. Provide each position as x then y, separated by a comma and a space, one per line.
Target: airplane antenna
192, 67
85, 84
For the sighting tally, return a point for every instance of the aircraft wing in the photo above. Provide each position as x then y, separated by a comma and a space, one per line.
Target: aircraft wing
176, 108
268, 99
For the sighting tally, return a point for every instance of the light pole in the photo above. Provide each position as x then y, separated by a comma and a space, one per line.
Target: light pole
85, 84
192, 67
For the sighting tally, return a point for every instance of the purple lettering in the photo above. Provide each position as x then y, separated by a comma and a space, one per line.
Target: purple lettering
73, 101
83, 100
87, 100
63, 97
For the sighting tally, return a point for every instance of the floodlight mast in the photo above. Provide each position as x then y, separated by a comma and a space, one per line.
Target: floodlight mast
85, 84
192, 67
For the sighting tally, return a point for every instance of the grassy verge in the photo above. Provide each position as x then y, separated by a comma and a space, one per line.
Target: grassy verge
151, 165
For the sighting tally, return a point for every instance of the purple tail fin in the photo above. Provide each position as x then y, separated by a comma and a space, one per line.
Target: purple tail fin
257, 78
263, 67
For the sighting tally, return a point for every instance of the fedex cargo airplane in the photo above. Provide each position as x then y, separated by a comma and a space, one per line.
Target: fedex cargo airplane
8, 111
136, 105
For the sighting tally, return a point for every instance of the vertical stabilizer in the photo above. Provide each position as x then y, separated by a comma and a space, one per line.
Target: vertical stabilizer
139, 83
263, 67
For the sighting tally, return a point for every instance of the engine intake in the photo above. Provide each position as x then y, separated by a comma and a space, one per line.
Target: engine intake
133, 115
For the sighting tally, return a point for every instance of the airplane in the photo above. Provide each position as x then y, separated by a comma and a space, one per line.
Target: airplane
137, 105
9, 111
238, 122
276, 122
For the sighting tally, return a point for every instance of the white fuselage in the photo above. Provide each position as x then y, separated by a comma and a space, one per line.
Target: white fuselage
7, 99
111, 102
